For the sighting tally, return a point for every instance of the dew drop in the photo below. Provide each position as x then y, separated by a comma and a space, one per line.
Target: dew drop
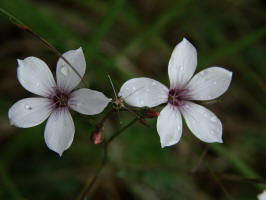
28, 107
181, 68
65, 70
154, 83
134, 88
215, 83
213, 119
205, 115
212, 132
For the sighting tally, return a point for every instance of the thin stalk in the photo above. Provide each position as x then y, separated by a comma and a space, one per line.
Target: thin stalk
26, 28
213, 174
122, 130
91, 182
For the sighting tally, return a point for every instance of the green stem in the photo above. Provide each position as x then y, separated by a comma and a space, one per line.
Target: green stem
26, 28
237, 163
91, 182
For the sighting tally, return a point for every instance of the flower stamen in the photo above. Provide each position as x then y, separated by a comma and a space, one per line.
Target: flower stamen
60, 99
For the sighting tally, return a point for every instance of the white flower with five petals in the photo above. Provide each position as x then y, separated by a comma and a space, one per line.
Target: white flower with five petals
206, 85
56, 99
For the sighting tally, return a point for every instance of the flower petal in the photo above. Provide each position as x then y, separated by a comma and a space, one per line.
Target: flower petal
35, 76
29, 112
59, 131
202, 122
182, 64
141, 92
67, 79
169, 126
262, 196
209, 83
88, 102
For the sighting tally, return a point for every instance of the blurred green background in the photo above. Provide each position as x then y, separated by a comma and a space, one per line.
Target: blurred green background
133, 38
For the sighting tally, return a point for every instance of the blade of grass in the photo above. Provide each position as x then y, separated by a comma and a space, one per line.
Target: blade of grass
237, 163
176, 10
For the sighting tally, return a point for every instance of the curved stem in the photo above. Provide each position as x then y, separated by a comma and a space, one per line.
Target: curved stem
117, 133
90, 183
26, 28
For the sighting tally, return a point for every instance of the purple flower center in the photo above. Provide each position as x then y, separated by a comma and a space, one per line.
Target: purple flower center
176, 97
60, 99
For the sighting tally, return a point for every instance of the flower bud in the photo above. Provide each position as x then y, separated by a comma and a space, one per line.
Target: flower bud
96, 137
152, 114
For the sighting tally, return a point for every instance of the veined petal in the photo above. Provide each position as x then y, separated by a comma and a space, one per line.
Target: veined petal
88, 102
169, 126
29, 112
182, 64
35, 76
141, 92
202, 122
67, 79
59, 131
209, 83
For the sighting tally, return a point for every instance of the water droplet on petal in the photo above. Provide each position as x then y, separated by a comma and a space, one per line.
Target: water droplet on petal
215, 83
154, 83
134, 88
205, 115
212, 132
27, 107
65, 70
213, 119
181, 68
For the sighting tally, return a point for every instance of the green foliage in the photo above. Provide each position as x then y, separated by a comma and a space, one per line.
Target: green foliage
127, 39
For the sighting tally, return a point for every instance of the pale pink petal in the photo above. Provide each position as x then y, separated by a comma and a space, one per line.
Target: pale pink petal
35, 76
182, 64
59, 131
143, 92
88, 102
29, 112
67, 78
209, 83
169, 126
202, 122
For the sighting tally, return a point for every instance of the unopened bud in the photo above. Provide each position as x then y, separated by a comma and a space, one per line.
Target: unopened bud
96, 137
152, 114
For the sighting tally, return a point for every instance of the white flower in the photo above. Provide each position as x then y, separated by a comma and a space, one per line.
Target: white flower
206, 85
56, 99
262, 196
